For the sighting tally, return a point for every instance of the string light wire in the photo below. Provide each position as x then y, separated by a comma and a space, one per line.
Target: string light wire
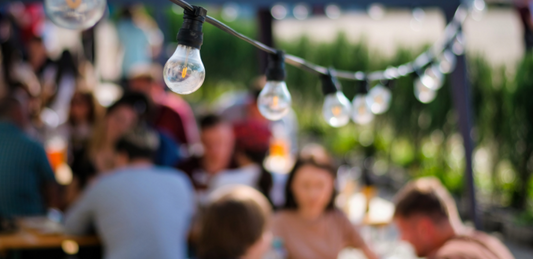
424, 59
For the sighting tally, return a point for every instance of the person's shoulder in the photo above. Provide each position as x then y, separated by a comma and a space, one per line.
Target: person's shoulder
474, 244
281, 220
172, 174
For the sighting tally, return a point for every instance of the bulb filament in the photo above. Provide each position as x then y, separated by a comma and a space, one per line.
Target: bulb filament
336, 110
73, 3
184, 71
275, 101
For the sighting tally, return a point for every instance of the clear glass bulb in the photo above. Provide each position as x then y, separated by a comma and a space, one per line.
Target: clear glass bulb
378, 99
447, 62
423, 93
336, 109
184, 72
361, 110
274, 101
458, 46
432, 78
75, 14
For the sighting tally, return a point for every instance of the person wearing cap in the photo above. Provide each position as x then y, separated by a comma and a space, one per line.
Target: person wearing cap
171, 114
139, 210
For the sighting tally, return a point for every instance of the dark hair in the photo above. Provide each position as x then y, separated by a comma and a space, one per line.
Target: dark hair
89, 99
7, 105
210, 121
140, 142
323, 162
138, 101
232, 223
421, 197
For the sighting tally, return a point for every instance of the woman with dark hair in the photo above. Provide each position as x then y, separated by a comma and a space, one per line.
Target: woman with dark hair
235, 225
309, 224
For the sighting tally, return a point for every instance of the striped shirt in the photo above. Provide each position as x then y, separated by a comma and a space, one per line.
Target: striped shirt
24, 169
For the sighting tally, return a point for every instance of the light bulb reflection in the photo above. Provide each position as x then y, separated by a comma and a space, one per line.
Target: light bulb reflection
274, 100
378, 99
458, 46
423, 93
336, 109
361, 111
447, 62
75, 14
432, 78
184, 72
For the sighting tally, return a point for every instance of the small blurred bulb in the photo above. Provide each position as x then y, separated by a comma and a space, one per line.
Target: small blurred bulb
378, 99
432, 78
447, 62
423, 93
336, 109
361, 111
274, 100
75, 14
184, 72
458, 45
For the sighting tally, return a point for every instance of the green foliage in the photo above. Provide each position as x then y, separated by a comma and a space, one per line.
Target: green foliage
418, 139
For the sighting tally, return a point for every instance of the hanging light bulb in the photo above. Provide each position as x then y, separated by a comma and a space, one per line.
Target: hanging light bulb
75, 14
447, 62
361, 110
423, 93
378, 99
275, 100
432, 78
184, 72
336, 108
458, 45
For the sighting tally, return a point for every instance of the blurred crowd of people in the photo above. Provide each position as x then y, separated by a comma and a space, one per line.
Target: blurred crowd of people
154, 180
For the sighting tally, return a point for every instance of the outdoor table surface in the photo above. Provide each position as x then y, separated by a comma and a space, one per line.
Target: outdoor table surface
28, 238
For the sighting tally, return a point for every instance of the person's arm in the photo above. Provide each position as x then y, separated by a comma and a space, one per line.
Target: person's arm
79, 217
353, 238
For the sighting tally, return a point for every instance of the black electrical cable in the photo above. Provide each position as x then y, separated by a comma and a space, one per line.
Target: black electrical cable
422, 60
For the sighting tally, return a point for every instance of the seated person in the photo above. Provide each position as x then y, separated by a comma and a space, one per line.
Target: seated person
218, 141
171, 114
24, 168
309, 224
251, 148
98, 157
139, 210
427, 218
235, 225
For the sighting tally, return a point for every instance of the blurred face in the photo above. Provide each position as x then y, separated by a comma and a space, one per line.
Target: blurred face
417, 230
79, 109
218, 142
312, 188
37, 51
141, 85
119, 121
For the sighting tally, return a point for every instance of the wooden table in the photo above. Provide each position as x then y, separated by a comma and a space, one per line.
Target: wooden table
28, 238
